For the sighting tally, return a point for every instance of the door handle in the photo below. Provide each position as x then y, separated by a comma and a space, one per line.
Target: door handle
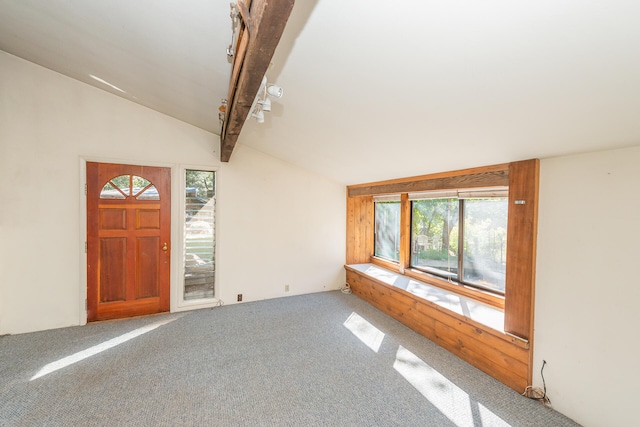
164, 247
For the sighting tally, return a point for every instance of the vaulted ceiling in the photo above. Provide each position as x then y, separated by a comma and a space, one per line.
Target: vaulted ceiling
372, 90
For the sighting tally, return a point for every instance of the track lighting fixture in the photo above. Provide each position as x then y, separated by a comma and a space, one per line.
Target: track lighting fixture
262, 102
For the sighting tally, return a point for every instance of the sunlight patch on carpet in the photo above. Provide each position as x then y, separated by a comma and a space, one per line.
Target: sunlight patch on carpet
371, 336
450, 399
92, 351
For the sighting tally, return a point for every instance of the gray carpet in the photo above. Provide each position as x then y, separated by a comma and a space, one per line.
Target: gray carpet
311, 360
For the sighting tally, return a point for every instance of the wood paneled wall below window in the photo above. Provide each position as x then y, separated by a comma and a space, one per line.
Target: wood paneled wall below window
522, 179
503, 357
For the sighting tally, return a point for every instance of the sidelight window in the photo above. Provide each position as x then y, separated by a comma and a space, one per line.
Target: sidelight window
199, 235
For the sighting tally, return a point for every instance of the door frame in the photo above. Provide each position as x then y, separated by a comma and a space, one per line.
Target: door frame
177, 234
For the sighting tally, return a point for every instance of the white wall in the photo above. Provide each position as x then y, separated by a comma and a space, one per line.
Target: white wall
587, 288
280, 224
277, 224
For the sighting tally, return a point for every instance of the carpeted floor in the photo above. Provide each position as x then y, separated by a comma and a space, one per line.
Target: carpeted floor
325, 359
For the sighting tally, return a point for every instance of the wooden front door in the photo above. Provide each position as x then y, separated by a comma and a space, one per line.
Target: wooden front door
128, 240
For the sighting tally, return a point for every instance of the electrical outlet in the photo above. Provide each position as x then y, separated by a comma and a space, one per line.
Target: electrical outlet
286, 288
239, 297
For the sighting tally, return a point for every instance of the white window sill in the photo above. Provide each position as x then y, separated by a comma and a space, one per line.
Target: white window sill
467, 307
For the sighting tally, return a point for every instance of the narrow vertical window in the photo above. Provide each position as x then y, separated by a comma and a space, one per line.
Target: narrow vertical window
387, 228
199, 235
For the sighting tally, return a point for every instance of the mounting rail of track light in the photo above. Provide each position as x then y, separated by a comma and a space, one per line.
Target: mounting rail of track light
235, 22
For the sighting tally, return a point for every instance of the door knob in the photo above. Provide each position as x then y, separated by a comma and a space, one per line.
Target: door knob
164, 247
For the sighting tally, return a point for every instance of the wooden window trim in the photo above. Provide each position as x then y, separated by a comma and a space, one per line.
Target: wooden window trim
522, 231
458, 288
522, 179
487, 176
384, 263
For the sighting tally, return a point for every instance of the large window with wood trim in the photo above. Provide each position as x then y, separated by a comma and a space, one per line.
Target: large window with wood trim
461, 236
486, 249
457, 235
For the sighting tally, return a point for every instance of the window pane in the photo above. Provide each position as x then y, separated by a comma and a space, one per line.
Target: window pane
122, 182
485, 242
149, 193
143, 190
434, 236
138, 182
199, 266
387, 242
110, 192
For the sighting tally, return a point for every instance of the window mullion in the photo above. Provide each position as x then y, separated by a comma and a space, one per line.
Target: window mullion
460, 240
405, 231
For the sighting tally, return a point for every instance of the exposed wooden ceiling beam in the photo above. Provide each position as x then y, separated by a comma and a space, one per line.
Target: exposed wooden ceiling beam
262, 25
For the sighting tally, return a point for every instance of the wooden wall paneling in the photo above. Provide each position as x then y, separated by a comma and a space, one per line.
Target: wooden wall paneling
360, 212
400, 308
351, 231
514, 348
357, 232
501, 355
512, 358
489, 360
521, 251
360, 235
521, 247
367, 218
454, 173
492, 352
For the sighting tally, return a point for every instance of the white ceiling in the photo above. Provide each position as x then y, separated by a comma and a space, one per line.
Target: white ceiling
168, 55
373, 90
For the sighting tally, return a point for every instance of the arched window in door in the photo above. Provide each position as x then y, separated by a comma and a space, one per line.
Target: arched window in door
124, 186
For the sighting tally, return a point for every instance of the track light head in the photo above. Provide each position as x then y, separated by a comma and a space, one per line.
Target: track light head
266, 104
275, 91
258, 115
